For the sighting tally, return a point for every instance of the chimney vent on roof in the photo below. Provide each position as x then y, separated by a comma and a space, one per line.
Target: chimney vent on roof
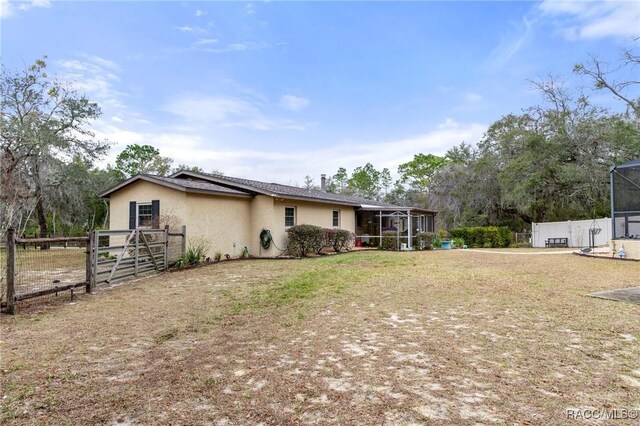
323, 182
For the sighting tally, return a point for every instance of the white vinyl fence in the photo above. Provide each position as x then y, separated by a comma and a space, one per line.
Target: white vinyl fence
576, 232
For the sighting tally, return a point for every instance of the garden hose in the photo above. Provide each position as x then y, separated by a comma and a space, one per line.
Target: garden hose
266, 239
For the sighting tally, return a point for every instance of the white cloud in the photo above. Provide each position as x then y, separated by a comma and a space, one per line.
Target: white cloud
593, 19
236, 47
293, 103
290, 165
206, 42
190, 29
226, 111
199, 13
26, 5
8, 7
249, 9
96, 77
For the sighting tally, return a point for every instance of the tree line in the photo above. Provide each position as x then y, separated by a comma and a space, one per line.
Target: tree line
549, 162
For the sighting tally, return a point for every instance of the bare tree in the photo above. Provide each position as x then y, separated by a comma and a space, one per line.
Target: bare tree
605, 78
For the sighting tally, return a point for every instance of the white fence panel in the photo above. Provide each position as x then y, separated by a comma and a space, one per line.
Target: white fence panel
576, 231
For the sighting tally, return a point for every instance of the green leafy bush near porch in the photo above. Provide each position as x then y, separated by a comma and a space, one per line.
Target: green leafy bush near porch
487, 236
389, 240
424, 240
305, 239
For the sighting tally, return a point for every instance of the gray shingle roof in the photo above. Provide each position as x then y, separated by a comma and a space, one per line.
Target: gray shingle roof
198, 185
284, 191
232, 186
181, 184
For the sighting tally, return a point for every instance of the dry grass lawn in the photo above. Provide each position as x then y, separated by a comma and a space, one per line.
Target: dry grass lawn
442, 337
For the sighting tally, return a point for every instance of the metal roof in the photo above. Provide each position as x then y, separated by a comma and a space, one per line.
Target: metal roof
628, 165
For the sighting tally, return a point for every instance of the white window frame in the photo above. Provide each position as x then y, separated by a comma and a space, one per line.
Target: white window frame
335, 218
138, 205
295, 216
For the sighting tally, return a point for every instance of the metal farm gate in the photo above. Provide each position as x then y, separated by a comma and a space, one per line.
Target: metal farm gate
129, 253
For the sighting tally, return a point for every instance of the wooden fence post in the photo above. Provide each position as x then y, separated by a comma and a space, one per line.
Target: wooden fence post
166, 247
95, 244
184, 240
11, 270
89, 262
136, 253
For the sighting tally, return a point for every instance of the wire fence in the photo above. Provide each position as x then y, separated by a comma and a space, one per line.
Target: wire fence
42, 267
45, 268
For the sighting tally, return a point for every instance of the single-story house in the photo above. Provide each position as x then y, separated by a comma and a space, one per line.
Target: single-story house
230, 213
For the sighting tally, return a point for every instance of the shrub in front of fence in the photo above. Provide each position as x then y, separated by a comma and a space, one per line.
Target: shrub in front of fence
424, 240
389, 240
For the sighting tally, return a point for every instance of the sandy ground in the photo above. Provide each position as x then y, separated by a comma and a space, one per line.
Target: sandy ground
446, 337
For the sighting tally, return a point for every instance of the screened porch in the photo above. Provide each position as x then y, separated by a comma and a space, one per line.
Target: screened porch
372, 221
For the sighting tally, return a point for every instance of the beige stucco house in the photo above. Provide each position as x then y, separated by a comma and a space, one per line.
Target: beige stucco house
230, 213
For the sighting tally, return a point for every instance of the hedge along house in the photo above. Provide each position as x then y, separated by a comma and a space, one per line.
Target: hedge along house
625, 209
231, 213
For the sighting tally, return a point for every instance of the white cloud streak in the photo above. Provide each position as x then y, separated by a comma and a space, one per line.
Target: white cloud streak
96, 77
511, 44
577, 20
293, 103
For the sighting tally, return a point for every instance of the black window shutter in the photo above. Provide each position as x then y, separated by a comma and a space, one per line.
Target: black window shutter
155, 213
132, 215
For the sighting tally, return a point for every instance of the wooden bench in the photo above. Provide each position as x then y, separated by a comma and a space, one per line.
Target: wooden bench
557, 242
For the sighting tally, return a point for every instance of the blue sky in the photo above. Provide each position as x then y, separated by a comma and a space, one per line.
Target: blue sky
279, 90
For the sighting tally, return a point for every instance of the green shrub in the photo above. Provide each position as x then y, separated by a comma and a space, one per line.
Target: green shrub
195, 254
425, 240
487, 236
244, 254
389, 240
217, 256
338, 239
305, 239
437, 242
443, 234
458, 243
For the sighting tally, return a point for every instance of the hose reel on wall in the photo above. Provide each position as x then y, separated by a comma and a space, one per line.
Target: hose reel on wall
265, 239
